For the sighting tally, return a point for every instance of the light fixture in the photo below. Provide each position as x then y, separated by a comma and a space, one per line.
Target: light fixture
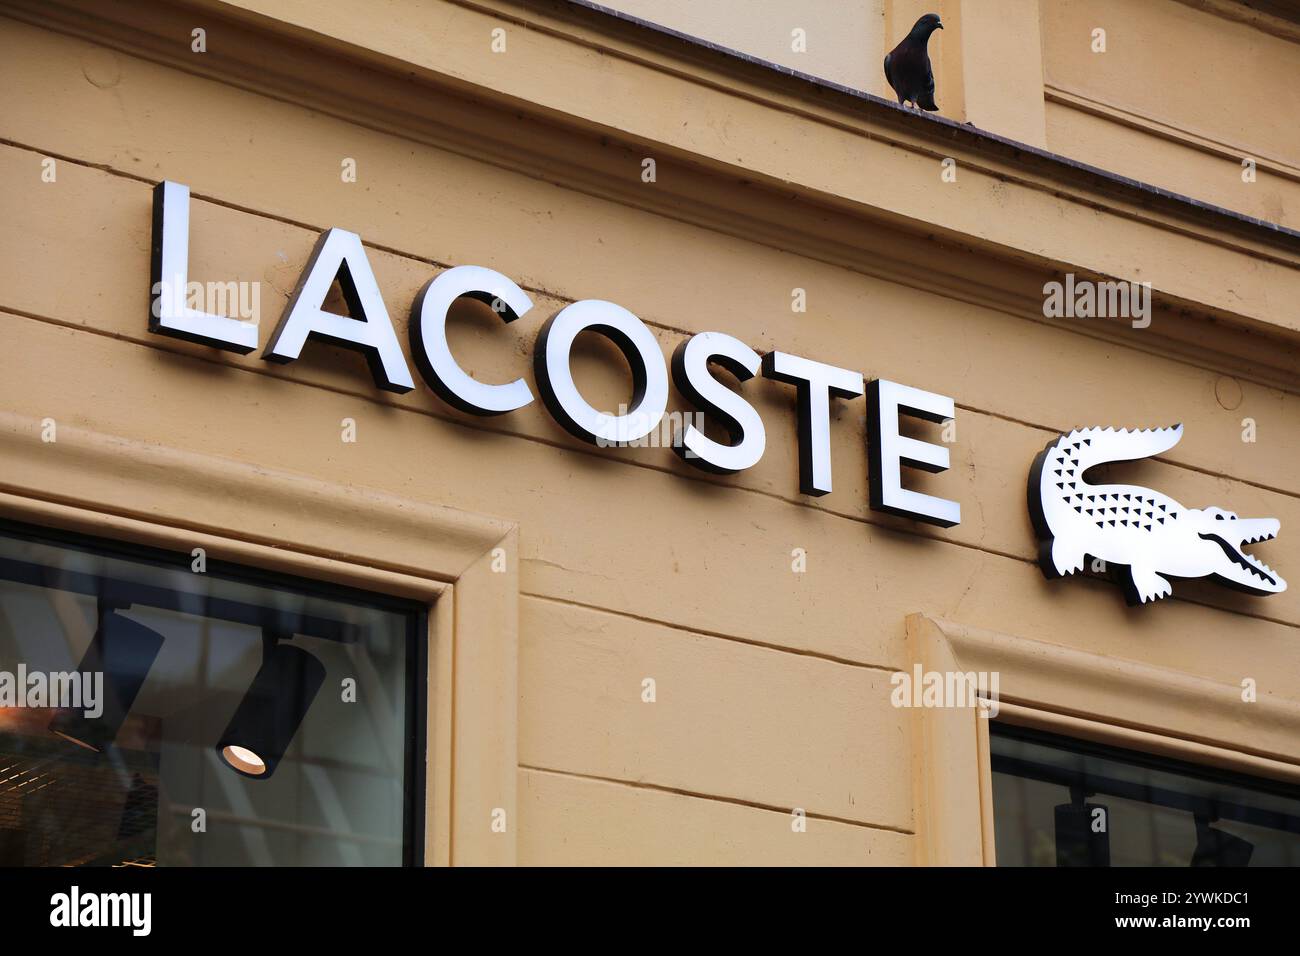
272, 710
1082, 832
123, 651
1218, 848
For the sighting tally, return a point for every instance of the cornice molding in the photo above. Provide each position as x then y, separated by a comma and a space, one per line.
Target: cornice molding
1075, 692
278, 59
1280, 18
464, 566
942, 131
136, 481
1146, 123
1126, 693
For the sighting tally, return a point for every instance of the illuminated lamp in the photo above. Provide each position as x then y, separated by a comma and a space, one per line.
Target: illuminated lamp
272, 710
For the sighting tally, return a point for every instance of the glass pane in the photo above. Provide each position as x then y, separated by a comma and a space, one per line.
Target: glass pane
222, 718
1064, 802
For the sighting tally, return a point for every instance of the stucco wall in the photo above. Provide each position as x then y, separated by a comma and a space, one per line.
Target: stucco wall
840, 39
772, 684
1181, 95
1172, 92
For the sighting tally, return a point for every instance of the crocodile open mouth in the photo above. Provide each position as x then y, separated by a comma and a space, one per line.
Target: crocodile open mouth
1244, 560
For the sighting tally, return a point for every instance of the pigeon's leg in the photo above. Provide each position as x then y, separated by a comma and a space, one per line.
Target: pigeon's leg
1147, 585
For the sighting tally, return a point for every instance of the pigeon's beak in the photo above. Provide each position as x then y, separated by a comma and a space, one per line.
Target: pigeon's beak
938, 26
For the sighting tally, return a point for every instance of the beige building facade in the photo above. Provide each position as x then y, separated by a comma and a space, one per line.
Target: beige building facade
624, 658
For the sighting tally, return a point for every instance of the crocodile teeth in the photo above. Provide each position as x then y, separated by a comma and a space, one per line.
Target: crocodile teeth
1256, 562
1266, 536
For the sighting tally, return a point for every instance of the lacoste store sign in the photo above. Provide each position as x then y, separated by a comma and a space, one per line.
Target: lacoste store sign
1142, 534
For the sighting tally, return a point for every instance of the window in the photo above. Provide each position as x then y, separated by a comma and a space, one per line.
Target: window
1064, 802
156, 711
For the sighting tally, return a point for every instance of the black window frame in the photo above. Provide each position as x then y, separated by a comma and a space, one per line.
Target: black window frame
1157, 762
415, 784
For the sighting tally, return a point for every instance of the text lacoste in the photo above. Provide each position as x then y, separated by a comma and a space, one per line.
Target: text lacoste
340, 257
1127, 526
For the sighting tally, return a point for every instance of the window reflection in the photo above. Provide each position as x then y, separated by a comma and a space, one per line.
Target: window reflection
1064, 802
204, 677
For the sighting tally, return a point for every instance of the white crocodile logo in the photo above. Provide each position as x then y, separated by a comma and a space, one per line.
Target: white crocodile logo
1141, 533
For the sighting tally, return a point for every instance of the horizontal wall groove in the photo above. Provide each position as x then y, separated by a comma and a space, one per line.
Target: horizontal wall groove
812, 505
587, 181
1151, 125
785, 101
701, 632
735, 801
1157, 349
1049, 431
957, 290
918, 138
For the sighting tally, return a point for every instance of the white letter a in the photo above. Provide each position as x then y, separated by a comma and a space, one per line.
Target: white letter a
339, 254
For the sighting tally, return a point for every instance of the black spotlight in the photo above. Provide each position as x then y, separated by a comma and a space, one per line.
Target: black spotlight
1217, 848
123, 651
1078, 841
271, 711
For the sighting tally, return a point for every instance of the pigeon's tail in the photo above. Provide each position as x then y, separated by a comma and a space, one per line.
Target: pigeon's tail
926, 101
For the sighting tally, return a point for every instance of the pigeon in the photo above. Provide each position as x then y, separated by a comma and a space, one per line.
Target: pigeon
907, 66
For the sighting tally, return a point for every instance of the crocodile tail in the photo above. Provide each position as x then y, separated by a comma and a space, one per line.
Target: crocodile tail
1093, 446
